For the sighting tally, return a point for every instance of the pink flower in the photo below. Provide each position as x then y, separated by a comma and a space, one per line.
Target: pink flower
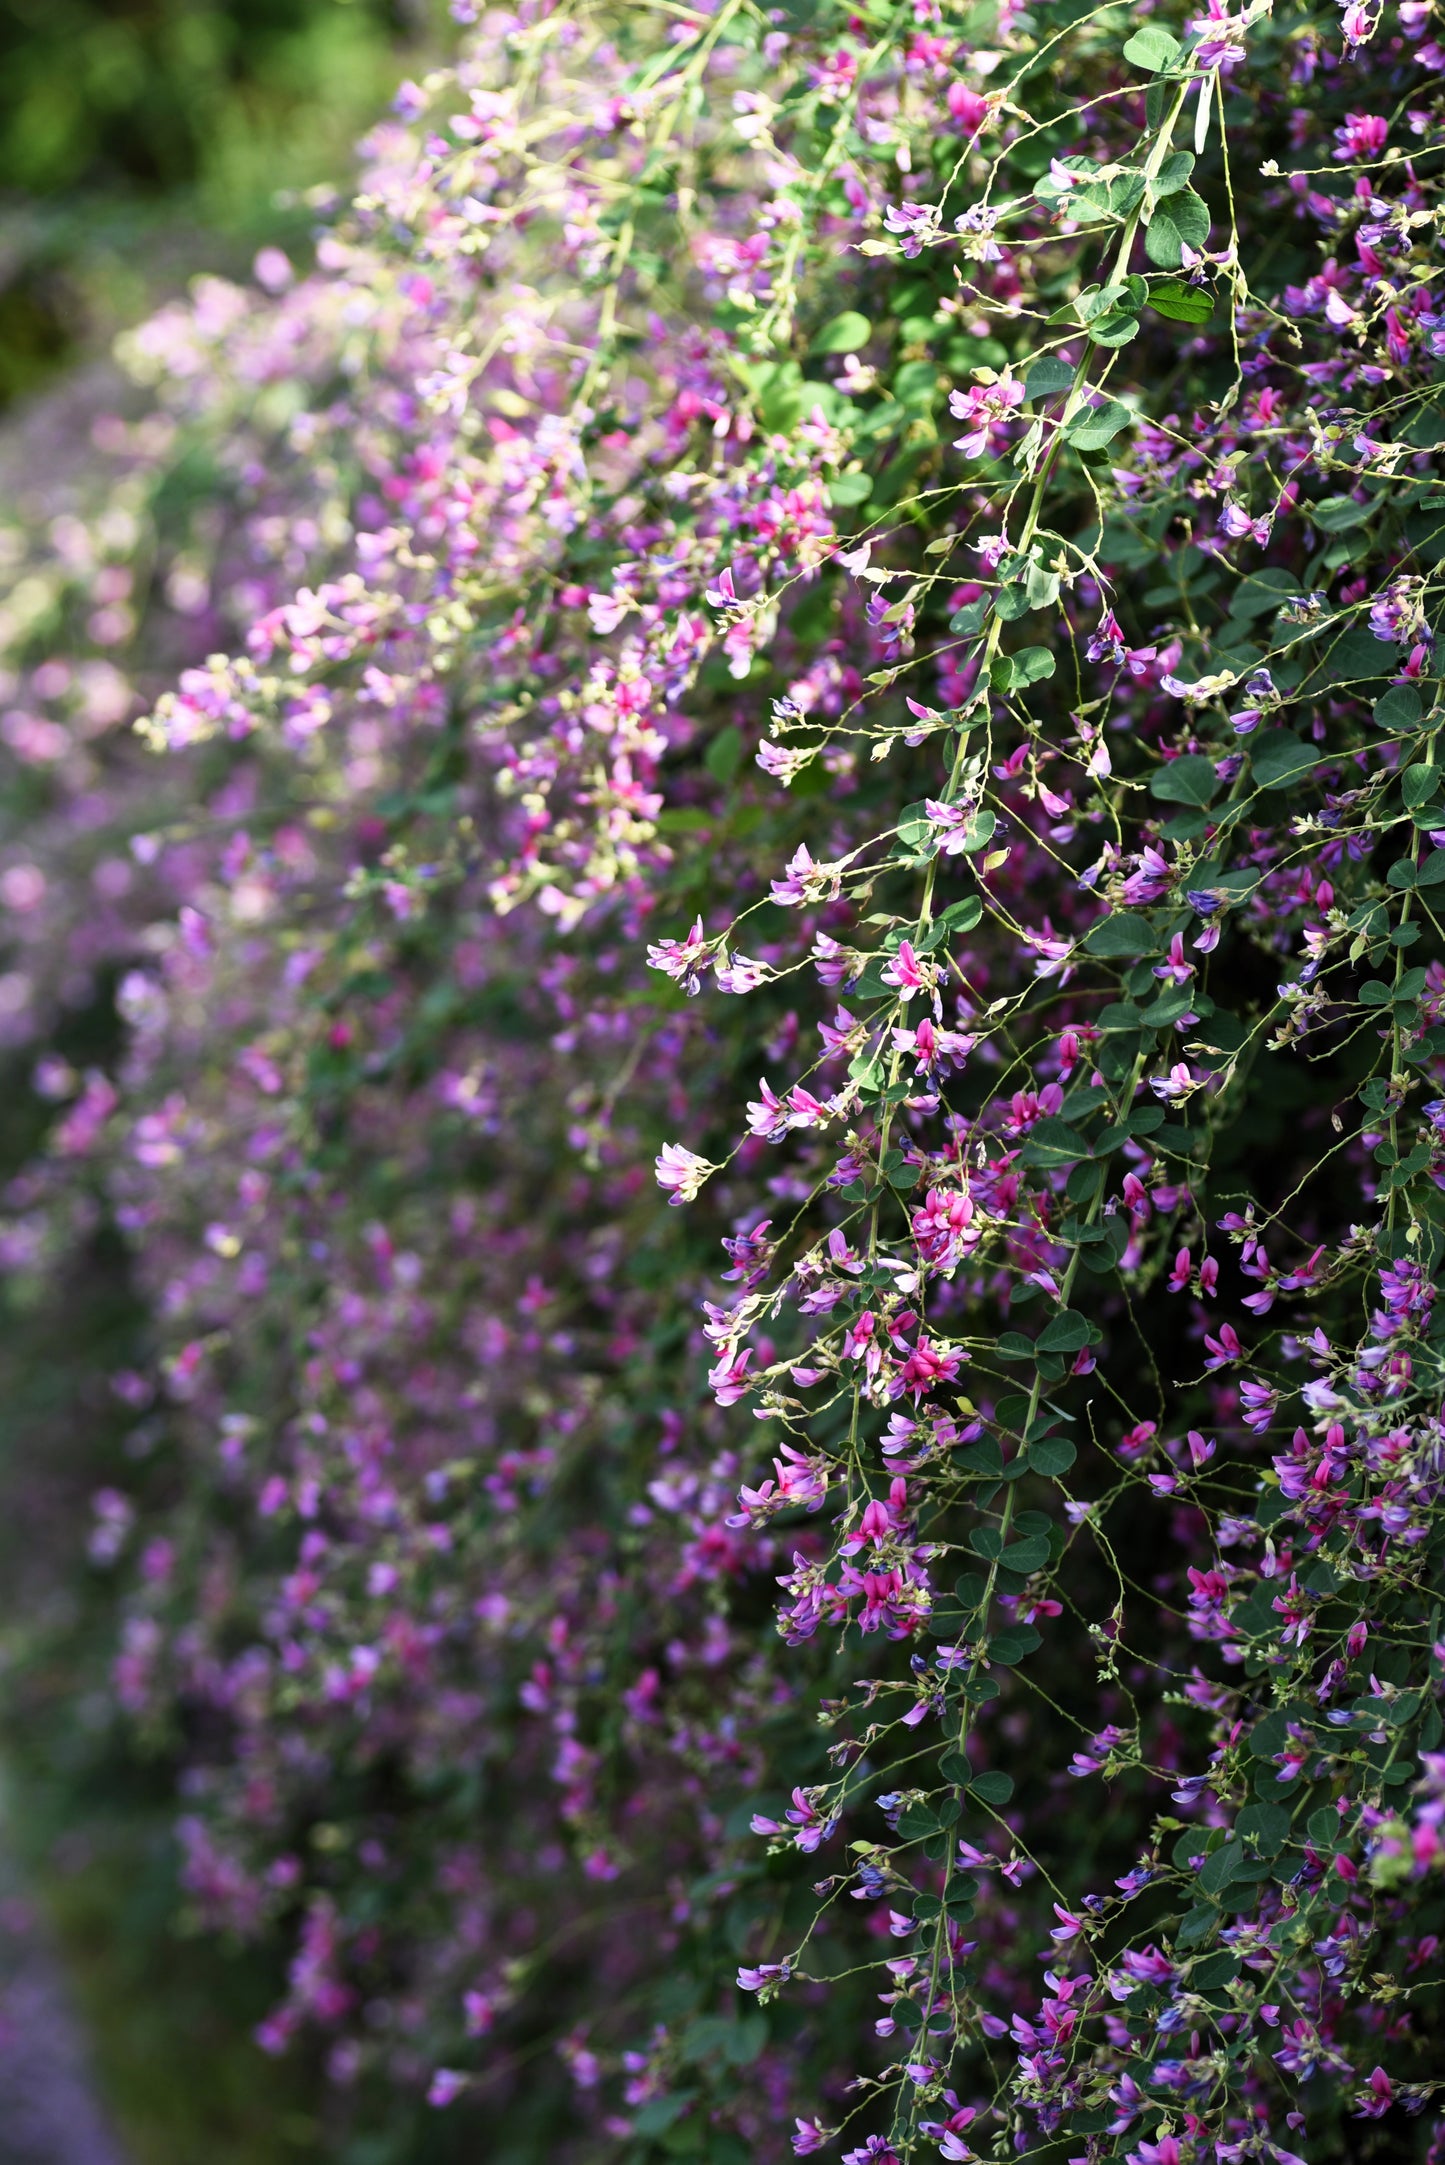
908, 971
968, 107
1375, 2100
985, 410
682, 960
1178, 1083
1362, 136
683, 1171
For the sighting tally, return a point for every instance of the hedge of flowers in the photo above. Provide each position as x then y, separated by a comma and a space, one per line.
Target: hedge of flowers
827, 616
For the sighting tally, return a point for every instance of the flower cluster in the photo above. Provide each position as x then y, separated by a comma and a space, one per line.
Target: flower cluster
830, 619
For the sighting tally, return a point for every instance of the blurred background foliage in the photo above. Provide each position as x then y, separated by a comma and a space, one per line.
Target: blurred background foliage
141, 140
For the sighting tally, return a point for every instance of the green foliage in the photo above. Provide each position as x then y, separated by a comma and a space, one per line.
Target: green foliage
139, 145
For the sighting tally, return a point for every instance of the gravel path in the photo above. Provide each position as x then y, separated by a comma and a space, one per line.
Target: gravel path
49, 2112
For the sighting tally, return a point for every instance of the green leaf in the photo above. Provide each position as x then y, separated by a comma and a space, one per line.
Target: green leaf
850, 489
1419, 784
1279, 761
962, 916
1116, 197
1215, 1970
1031, 665
1181, 303
969, 619
1052, 1456
724, 754
916, 383
658, 2114
1338, 514
1012, 602
1174, 172
1026, 1556
1012, 1643
955, 1767
1042, 586
1094, 426
993, 1787
1268, 1735
1262, 592
1181, 221
1126, 933
1115, 329
1048, 377
780, 391
1190, 779
1197, 1926
1221, 1866
845, 334
985, 1457
1068, 1333
1359, 654
1400, 708
1266, 1825
1152, 49
1052, 1141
